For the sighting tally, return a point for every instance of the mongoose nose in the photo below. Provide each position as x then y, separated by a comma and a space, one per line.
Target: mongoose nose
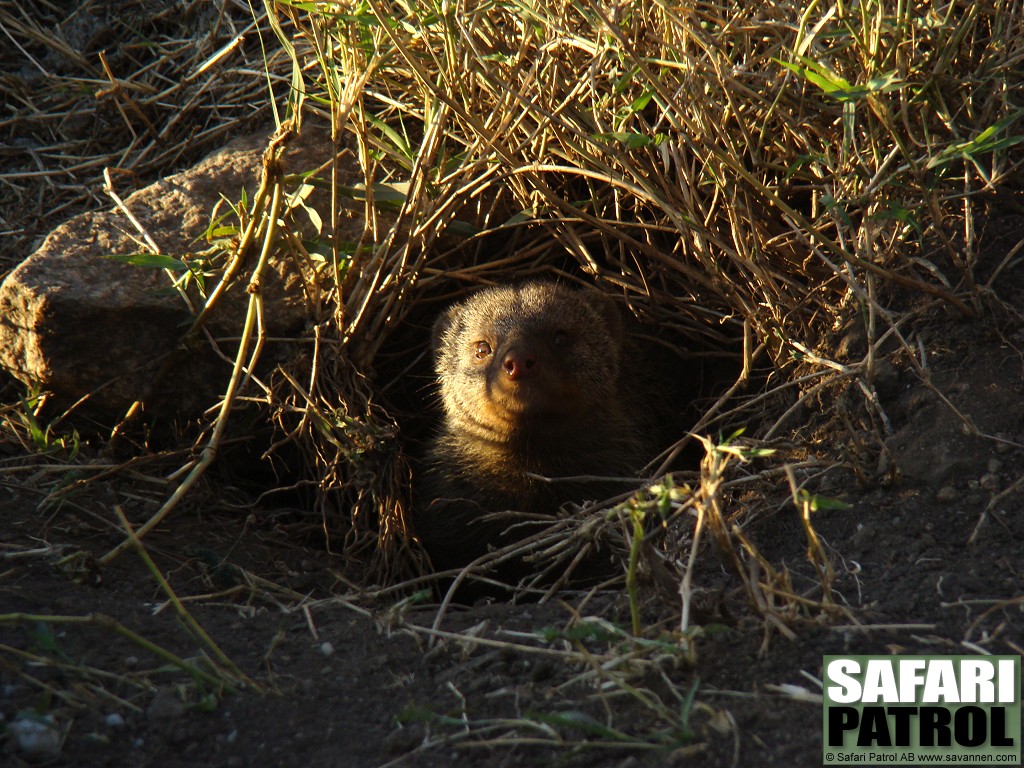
519, 364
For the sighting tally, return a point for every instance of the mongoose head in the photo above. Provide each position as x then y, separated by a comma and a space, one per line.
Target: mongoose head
524, 359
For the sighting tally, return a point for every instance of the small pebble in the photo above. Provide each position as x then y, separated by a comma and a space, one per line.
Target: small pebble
402, 740
326, 648
946, 494
166, 705
35, 737
114, 720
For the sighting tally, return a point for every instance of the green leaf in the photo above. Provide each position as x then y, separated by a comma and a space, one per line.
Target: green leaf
818, 74
398, 141
391, 195
220, 233
527, 214
625, 81
583, 722
463, 228
839, 88
149, 260
884, 83
45, 639
629, 139
896, 212
822, 502
987, 141
587, 631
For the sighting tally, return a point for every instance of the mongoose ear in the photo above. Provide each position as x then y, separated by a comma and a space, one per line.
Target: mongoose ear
608, 310
441, 326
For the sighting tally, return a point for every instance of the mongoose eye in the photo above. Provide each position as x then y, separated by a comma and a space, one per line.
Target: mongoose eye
483, 350
561, 338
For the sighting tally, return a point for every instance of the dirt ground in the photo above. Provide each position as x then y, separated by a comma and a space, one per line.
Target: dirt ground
928, 557
928, 561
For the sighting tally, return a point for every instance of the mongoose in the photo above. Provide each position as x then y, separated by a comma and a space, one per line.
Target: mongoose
536, 379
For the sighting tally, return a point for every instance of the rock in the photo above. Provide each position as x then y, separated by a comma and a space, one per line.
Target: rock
166, 705
35, 737
78, 324
403, 739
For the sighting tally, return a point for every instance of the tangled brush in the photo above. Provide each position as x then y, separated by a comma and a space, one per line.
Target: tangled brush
750, 177
750, 180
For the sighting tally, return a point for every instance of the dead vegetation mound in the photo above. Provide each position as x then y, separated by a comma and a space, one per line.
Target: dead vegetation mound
753, 180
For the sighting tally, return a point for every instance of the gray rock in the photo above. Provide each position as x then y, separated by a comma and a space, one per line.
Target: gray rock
35, 737
78, 324
166, 705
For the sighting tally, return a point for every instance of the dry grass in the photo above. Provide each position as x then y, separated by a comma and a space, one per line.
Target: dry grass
141, 89
733, 171
740, 176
